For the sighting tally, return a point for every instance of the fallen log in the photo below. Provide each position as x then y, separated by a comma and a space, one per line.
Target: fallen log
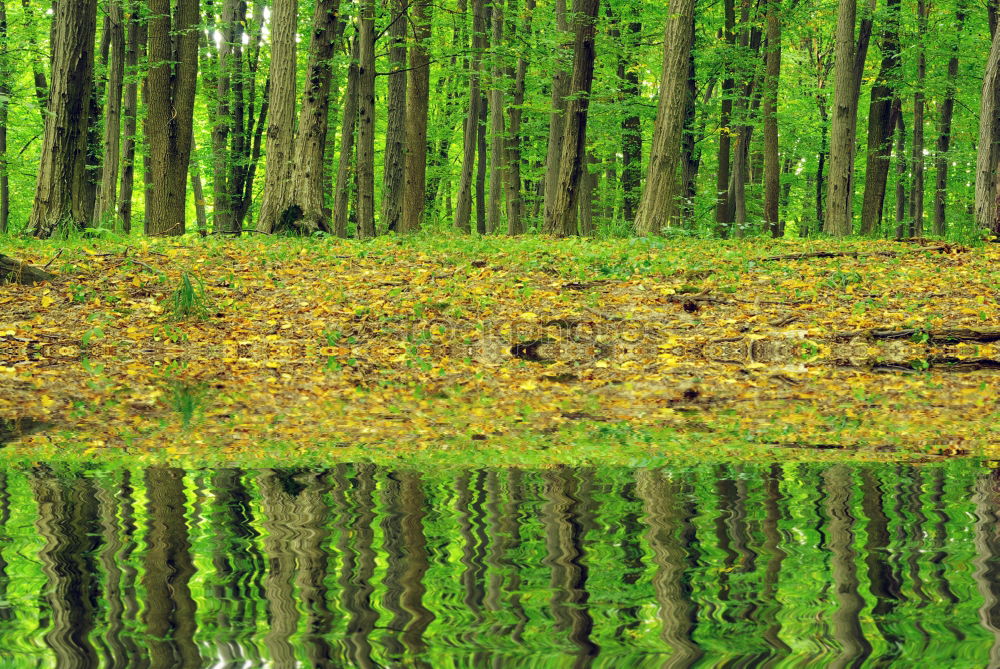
13, 271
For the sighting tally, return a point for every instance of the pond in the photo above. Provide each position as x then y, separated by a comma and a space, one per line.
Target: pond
357, 565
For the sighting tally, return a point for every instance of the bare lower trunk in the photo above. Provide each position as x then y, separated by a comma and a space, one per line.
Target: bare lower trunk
343, 191
498, 153
515, 198
557, 124
415, 194
656, 206
107, 198
900, 176
136, 45
62, 173
772, 177
395, 134
986, 208
840, 188
366, 121
470, 133
944, 132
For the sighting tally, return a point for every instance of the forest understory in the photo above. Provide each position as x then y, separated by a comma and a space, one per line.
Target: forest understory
530, 351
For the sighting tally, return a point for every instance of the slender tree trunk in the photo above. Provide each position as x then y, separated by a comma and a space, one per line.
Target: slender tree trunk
37, 69
900, 175
772, 175
820, 164
366, 121
498, 153
656, 206
515, 198
281, 126
62, 174
944, 129
881, 124
557, 124
415, 188
722, 218
628, 76
689, 148
227, 65
562, 216
107, 196
395, 135
588, 189
481, 166
347, 126
201, 216
917, 189
840, 190
173, 52
463, 207
5, 91
136, 44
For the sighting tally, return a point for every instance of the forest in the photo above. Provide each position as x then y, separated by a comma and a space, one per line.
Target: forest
728, 119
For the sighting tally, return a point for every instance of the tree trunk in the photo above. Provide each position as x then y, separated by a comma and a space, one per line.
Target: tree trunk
988, 112
722, 218
631, 132
656, 205
917, 188
840, 189
227, 64
306, 204
690, 157
900, 175
107, 196
588, 189
347, 126
557, 124
366, 121
944, 129
561, 218
194, 167
173, 52
881, 124
37, 69
415, 188
515, 198
395, 138
136, 44
62, 174
498, 153
281, 126
470, 133
6, 74
481, 167
772, 175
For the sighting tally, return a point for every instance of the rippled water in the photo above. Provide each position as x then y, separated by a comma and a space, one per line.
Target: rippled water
715, 565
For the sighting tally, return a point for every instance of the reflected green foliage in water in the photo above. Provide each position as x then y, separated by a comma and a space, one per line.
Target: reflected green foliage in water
356, 565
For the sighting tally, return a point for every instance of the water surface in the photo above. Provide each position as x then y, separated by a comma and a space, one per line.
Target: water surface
357, 565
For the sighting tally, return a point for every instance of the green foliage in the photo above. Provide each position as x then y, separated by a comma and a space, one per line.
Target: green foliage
188, 299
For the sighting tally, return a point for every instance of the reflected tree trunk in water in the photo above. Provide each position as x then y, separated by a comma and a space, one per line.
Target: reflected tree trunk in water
939, 538
356, 545
473, 532
733, 536
169, 608
295, 513
632, 558
67, 520
883, 577
774, 514
406, 562
987, 563
854, 647
239, 566
6, 610
118, 533
665, 517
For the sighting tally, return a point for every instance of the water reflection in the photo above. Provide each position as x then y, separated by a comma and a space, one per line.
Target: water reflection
355, 565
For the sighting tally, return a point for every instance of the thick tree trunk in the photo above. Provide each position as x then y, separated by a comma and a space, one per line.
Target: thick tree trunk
944, 130
557, 122
108, 193
470, 133
12, 271
515, 198
395, 134
561, 218
656, 205
986, 209
136, 45
917, 188
415, 187
881, 123
173, 52
772, 175
62, 174
281, 126
343, 190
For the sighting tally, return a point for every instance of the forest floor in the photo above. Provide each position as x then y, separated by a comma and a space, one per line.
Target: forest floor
493, 351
